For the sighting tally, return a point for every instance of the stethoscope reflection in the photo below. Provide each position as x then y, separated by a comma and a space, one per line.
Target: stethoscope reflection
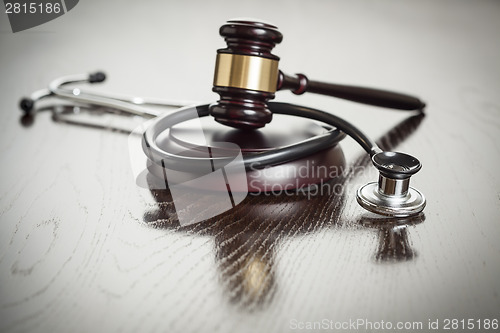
85, 116
393, 236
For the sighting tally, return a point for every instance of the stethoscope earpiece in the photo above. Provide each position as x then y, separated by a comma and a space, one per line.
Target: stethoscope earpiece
392, 194
26, 104
97, 77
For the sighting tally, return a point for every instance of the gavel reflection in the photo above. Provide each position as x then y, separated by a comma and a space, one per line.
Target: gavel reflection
247, 77
247, 236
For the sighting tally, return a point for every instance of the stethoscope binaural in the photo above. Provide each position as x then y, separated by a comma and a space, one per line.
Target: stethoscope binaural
391, 195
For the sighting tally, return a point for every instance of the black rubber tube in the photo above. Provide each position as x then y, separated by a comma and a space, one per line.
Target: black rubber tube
257, 160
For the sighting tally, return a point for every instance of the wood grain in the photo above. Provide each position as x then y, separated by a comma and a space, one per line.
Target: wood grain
83, 248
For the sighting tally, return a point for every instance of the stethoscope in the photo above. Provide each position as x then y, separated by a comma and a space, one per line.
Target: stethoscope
246, 77
391, 195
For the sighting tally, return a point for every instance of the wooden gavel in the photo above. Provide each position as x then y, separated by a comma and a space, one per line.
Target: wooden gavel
247, 77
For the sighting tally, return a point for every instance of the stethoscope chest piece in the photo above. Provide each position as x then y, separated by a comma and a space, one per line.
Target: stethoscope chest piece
370, 198
392, 195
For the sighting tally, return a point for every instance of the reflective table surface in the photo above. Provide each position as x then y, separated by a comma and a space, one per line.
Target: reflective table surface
83, 248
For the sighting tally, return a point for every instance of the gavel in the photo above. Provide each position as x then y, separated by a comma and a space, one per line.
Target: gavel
247, 77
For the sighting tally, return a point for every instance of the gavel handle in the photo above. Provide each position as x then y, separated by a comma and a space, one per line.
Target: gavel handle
301, 84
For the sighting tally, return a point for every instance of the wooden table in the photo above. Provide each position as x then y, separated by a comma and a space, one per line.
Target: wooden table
82, 248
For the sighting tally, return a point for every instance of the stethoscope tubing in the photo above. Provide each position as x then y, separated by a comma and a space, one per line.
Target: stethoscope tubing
57, 89
163, 122
252, 161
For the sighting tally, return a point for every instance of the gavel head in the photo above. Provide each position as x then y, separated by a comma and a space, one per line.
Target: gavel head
246, 74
